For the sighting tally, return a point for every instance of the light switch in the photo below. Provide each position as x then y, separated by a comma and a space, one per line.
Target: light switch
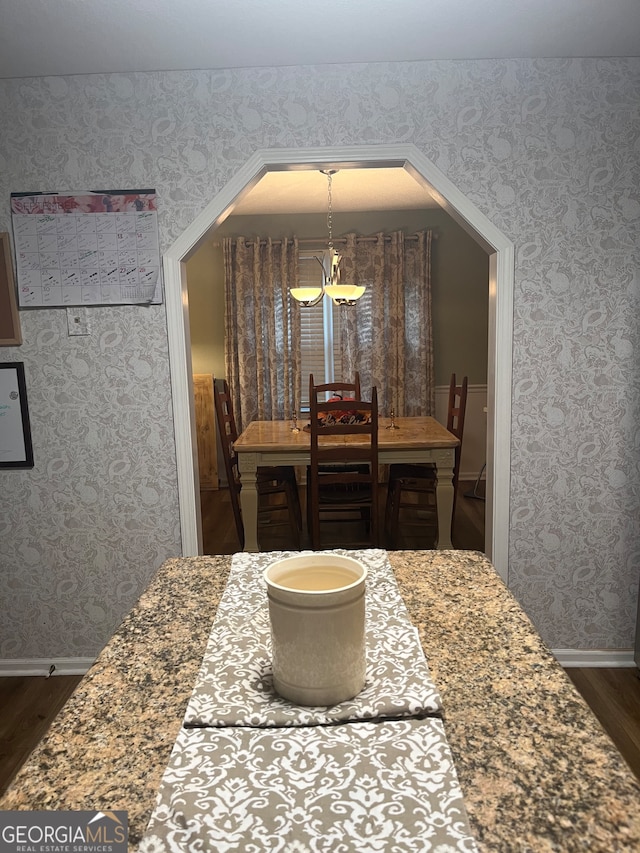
78, 321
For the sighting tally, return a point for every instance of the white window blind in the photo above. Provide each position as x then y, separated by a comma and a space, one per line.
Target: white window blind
319, 331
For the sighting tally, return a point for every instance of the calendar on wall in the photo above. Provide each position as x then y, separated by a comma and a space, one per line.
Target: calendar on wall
88, 248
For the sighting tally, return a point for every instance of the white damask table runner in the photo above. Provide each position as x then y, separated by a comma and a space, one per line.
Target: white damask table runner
354, 788
251, 772
235, 686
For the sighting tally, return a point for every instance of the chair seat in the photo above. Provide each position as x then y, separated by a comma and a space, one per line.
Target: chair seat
408, 471
279, 480
342, 493
280, 472
343, 481
411, 494
333, 491
278, 499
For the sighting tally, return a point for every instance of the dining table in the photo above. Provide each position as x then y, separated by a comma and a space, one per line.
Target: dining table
537, 772
405, 439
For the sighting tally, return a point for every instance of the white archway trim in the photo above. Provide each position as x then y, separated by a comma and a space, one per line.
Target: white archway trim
501, 283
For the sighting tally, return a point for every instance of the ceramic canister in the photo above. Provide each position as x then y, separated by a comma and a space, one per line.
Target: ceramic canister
317, 613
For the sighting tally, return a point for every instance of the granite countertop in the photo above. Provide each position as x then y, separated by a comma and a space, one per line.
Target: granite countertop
537, 771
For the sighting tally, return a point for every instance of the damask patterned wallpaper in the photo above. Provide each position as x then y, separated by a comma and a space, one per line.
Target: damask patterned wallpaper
549, 150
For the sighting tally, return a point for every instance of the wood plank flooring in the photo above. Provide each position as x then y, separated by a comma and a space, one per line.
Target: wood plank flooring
219, 532
28, 705
614, 697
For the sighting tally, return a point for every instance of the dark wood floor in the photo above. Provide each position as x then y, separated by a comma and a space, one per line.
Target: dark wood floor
614, 697
219, 533
29, 705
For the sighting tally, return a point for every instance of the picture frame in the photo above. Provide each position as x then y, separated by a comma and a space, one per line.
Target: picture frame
16, 449
10, 332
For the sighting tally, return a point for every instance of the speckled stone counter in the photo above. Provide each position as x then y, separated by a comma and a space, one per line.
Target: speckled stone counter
536, 769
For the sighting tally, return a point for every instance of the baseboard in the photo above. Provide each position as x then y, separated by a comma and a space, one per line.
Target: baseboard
471, 476
48, 666
79, 666
594, 657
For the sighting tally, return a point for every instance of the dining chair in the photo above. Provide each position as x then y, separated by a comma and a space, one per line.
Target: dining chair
276, 486
336, 390
342, 482
411, 491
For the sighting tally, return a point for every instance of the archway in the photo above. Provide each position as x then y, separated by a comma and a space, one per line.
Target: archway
501, 272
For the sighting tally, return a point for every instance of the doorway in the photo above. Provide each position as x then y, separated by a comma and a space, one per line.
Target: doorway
500, 252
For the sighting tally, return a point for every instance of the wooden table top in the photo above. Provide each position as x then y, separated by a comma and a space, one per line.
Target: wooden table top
412, 433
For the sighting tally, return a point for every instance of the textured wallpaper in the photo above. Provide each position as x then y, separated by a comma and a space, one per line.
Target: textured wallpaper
549, 150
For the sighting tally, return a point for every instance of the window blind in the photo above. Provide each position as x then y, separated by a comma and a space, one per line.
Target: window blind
319, 331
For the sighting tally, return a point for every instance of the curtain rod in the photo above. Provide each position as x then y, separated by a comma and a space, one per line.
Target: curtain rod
323, 240
387, 239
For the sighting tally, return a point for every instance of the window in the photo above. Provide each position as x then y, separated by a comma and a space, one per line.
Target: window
321, 353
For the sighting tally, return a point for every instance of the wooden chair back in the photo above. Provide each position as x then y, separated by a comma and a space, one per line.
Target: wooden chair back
335, 389
327, 390
276, 485
456, 411
343, 474
228, 434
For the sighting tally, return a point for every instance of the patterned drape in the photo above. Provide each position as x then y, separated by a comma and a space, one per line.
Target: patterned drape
263, 369
387, 336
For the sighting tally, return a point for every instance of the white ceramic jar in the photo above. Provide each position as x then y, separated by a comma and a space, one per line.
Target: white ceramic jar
317, 613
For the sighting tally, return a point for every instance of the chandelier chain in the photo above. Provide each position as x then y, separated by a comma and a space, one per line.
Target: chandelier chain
330, 210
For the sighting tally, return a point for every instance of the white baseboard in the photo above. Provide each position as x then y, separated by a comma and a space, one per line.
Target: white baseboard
79, 666
594, 657
42, 666
471, 476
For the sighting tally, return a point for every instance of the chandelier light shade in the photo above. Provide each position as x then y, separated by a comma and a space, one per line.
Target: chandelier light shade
341, 294
344, 294
307, 296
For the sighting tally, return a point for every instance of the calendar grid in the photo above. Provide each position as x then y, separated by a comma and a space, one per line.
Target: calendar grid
86, 249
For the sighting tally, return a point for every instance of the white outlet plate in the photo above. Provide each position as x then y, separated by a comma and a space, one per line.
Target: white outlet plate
78, 321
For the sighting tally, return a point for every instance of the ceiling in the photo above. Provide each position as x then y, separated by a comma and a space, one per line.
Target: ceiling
53, 37
352, 189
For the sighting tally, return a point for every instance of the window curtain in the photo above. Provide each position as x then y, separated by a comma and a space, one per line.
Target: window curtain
387, 336
262, 366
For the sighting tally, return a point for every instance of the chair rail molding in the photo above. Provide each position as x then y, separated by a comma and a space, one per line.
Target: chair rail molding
501, 284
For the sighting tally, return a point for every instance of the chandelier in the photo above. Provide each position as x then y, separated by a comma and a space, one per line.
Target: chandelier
341, 294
